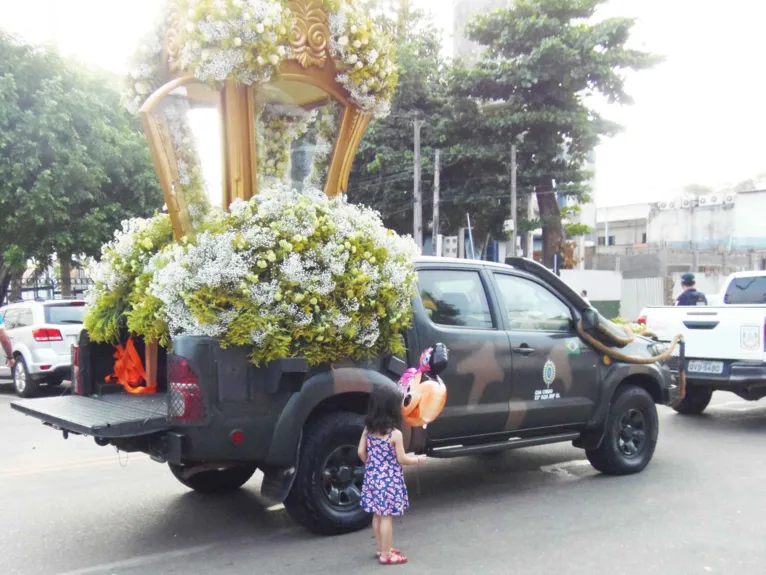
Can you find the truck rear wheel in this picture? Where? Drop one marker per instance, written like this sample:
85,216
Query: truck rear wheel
325,496
695,401
630,434
214,481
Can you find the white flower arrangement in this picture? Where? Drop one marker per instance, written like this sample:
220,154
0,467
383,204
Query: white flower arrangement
367,70
247,40
244,40
288,273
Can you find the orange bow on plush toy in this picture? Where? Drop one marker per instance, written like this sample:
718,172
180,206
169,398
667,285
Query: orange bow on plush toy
424,396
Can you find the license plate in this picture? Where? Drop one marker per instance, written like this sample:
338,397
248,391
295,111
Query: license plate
711,367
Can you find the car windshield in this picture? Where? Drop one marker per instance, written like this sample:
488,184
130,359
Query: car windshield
64,314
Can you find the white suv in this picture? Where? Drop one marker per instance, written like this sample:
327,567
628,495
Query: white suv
42,335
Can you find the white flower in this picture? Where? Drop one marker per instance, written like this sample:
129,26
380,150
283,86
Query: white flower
267,22
237,41
261,60
372,57
343,40
357,44
259,28
359,66
353,59
274,59
353,28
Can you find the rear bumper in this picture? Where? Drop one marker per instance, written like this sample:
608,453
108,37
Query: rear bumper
56,364
735,375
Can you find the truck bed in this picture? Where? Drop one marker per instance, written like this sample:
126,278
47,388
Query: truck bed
109,416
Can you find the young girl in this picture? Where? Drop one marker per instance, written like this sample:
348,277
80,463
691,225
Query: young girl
382,450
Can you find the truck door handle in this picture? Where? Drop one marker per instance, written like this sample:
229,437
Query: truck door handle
523,349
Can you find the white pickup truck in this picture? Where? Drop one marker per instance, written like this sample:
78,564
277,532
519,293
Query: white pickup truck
725,343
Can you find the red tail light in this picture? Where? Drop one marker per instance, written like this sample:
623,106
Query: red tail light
642,320
47,334
76,382
185,399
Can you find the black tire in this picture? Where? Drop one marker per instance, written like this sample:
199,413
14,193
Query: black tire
23,383
309,501
695,401
630,434
215,481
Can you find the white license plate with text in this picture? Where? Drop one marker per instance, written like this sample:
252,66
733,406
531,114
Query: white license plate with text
711,367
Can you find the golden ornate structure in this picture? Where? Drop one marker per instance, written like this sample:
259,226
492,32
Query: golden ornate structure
307,80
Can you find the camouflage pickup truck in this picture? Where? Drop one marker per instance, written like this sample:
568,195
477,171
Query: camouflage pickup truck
520,374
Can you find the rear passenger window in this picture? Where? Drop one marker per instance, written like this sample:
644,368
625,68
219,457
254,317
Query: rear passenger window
746,291
455,298
11,318
25,318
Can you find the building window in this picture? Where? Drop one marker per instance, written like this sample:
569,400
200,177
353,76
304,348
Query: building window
612,241
601,241
643,238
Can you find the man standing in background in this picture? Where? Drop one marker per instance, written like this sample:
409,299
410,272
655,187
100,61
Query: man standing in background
690,295
584,295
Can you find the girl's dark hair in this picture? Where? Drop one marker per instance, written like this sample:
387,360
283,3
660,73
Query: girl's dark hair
384,410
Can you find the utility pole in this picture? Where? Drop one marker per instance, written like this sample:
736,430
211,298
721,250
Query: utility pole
418,209
514,200
531,233
437,168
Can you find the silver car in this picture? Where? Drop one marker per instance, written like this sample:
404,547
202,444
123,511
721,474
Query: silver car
42,335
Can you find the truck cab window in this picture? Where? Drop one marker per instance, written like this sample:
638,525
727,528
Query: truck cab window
455,298
746,291
531,307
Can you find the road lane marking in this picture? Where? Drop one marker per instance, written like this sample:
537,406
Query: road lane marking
140,561
72,465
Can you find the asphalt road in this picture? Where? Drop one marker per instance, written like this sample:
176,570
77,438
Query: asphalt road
73,508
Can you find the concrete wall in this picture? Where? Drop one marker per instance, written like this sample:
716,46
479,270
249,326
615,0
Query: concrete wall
604,288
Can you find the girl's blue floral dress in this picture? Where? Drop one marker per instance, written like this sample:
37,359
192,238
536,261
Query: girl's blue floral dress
383,491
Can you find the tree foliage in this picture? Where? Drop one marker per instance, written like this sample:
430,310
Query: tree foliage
73,164
543,59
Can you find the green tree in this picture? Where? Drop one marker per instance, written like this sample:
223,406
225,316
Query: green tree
382,176
72,163
543,59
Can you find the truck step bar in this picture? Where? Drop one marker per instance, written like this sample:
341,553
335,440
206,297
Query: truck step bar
109,416
512,443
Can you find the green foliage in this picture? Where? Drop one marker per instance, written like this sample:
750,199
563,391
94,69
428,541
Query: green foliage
543,58
73,164
576,230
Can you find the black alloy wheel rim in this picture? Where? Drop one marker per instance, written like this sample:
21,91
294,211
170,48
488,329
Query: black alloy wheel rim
632,437
342,478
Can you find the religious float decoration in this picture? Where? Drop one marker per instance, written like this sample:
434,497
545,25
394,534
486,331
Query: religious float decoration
254,110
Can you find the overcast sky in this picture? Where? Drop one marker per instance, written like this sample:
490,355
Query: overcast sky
698,118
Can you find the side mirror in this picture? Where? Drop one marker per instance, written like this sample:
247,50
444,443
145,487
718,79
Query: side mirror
590,319
439,359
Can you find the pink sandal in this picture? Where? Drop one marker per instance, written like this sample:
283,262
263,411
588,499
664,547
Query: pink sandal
393,559
394,551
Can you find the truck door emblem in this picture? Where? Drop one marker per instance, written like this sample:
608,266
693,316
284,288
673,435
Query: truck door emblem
549,372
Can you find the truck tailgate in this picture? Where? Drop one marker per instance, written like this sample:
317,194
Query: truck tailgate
108,416
733,333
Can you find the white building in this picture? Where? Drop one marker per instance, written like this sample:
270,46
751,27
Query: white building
723,220
623,225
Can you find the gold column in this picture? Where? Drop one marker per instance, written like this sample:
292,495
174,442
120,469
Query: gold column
238,140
